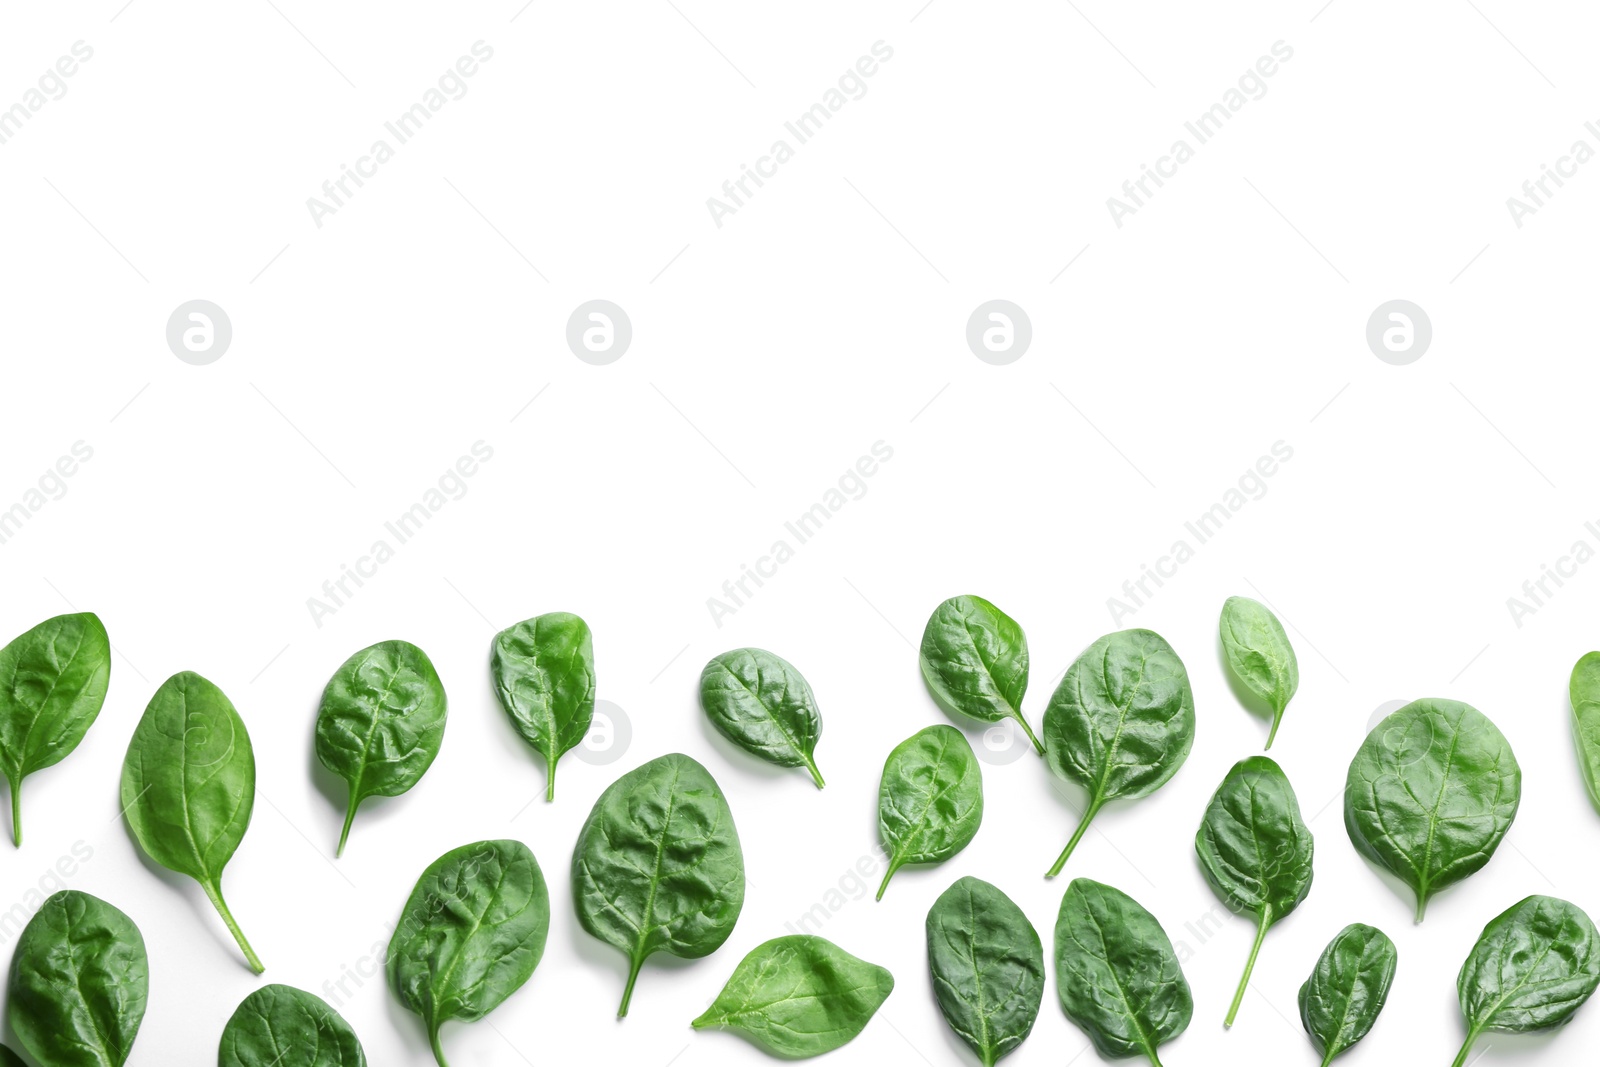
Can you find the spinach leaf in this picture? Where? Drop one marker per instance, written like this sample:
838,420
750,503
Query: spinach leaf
1347,988
381,723
1255,850
1431,793
975,660
52,684
79,980
1116,973
281,1026
544,675
1533,967
1121,722
188,785
1259,654
9,1058
471,934
762,704
1585,694
658,867
930,801
799,996
987,966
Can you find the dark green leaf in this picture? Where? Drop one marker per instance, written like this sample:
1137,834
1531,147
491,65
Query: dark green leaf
1260,655
544,675
1347,988
1430,794
9,1058
1121,722
1116,973
1585,693
987,966
799,996
762,704
281,1026
658,867
79,978
52,684
975,660
381,722
188,785
930,801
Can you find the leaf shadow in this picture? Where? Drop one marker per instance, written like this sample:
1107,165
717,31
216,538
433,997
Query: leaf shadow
1253,702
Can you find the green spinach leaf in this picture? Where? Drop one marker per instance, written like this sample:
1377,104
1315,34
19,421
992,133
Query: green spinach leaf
281,1026
762,704
799,996
975,660
658,867
52,684
987,966
1116,973
930,801
1121,722
1347,989
1255,850
1585,694
472,932
9,1058
381,723
1431,793
189,784
1259,654
79,979
1533,967
544,675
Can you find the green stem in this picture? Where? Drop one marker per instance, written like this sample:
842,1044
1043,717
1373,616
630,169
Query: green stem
1272,733
349,817
215,893
1249,965
550,781
1077,835
1422,905
894,865
1037,747
433,1042
1466,1047
816,775
16,809
627,991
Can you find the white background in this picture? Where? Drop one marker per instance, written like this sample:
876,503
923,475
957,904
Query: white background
827,314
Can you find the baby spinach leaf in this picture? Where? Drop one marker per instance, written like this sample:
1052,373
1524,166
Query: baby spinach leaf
930,801
1585,693
381,722
471,934
1116,973
544,675
658,867
188,786
762,704
1121,722
975,660
79,980
9,1058
799,996
987,966
281,1026
1533,967
1255,850
1259,654
52,684
1431,793
1347,988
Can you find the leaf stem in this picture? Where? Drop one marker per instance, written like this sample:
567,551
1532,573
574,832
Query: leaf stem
627,991
349,817
1422,904
433,1042
16,808
1466,1047
1277,718
1249,965
550,780
816,775
214,892
894,865
1037,747
1077,835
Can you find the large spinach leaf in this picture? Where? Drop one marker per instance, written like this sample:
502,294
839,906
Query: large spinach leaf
9,1058
544,675
658,867
79,979
1255,850
1431,793
1533,967
762,704
281,1026
975,660
987,966
930,801
471,934
1259,654
52,684
1585,693
1121,722
799,996
189,784
1347,989
381,722
1116,973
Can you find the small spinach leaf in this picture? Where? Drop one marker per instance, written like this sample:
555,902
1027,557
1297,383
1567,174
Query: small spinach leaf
544,675
52,684
1121,722
1533,967
975,660
281,1026
1255,850
987,966
799,996
1347,989
762,704
1431,793
1585,693
930,801
658,867
1259,654
79,980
